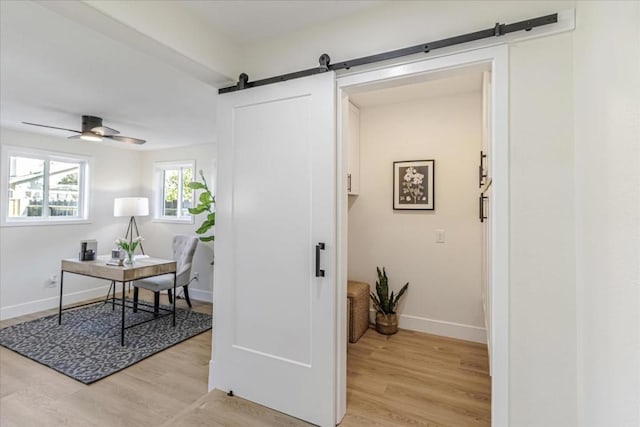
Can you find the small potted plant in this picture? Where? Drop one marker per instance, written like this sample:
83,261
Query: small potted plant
129,247
385,304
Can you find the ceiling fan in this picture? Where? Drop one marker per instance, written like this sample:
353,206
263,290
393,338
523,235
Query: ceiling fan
92,130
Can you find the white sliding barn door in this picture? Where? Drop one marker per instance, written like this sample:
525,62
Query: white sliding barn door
274,319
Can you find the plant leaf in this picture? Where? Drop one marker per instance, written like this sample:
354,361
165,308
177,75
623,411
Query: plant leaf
197,210
205,198
212,218
207,238
376,303
196,185
402,291
203,228
382,289
384,286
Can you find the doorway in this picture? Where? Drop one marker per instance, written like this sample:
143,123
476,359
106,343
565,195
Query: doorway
494,60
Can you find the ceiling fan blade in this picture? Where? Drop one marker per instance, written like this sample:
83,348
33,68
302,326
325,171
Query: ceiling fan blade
104,130
51,127
125,139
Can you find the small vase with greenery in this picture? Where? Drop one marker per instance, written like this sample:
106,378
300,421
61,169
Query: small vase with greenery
129,247
385,304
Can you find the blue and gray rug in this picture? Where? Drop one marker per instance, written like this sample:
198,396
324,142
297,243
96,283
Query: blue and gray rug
87,345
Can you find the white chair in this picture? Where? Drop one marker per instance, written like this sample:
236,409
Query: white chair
183,249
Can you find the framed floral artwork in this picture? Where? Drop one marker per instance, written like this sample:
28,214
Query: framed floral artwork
413,185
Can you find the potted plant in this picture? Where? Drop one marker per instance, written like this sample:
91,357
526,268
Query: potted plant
206,202
385,304
205,205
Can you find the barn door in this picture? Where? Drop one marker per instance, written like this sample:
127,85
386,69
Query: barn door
275,278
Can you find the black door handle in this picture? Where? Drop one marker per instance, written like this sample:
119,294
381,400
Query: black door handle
319,272
481,206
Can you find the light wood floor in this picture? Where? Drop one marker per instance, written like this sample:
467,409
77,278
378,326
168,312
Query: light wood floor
406,379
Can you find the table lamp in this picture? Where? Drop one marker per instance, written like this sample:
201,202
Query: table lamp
131,207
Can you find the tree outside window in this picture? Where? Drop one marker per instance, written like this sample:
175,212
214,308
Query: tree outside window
173,186
43,186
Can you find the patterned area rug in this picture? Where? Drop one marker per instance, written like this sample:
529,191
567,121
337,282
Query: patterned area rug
87,345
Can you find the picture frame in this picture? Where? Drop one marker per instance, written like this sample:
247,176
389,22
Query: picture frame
414,185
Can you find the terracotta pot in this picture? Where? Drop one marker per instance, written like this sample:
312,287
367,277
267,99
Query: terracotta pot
387,325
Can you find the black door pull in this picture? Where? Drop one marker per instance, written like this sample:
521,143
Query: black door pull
319,272
481,200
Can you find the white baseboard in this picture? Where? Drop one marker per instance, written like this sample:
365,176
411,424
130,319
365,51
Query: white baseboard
30,307
201,295
210,386
439,327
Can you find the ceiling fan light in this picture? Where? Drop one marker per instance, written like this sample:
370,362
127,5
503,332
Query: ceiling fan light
90,136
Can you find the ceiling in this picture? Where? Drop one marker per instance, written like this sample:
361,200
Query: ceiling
439,84
56,67
250,21
54,70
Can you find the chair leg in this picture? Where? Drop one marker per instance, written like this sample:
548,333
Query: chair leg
156,303
186,295
135,299
170,294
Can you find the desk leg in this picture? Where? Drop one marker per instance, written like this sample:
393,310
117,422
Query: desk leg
113,297
122,330
60,306
175,277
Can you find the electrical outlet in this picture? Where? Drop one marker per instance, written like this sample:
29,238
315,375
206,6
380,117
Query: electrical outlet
52,282
439,236
196,276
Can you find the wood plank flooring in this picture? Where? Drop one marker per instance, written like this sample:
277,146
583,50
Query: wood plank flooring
145,394
406,379
417,379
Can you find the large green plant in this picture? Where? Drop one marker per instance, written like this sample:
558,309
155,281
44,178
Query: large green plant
383,302
206,205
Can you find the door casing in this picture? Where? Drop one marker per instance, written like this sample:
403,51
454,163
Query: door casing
497,57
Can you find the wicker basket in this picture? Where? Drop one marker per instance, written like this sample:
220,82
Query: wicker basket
358,309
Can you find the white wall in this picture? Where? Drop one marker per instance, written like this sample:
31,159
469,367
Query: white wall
158,234
30,255
542,248
391,25
607,149
444,292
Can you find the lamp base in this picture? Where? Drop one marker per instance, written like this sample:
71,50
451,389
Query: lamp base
130,229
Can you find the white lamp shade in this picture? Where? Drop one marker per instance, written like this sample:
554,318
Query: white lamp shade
131,206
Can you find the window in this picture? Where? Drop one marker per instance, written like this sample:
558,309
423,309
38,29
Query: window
173,197
43,187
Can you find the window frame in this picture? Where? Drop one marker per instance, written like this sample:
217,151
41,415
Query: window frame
158,191
85,164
